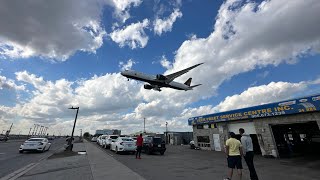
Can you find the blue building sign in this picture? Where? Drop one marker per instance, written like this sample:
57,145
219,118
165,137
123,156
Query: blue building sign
294,106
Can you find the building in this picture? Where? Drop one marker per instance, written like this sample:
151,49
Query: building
108,131
178,138
281,129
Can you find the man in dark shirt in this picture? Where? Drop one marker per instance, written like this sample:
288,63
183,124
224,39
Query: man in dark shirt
139,144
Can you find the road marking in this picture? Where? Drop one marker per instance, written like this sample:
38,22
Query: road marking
16,174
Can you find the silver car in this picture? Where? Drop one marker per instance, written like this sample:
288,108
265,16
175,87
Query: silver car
35,144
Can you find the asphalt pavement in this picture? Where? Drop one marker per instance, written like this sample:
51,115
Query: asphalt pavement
11,160
178,162
183,163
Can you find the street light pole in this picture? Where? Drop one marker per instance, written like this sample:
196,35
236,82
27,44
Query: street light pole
144,125
74,125
166,132
29,132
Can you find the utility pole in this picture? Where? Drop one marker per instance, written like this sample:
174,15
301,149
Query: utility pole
166,132
8,132
41,127
46,130
70,145
144,125
37,127
34,127
29,132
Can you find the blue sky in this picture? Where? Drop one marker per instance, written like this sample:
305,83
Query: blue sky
61,54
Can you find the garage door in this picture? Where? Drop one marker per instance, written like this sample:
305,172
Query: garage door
247,126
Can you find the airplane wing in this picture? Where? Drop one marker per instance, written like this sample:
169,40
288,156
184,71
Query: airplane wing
172,76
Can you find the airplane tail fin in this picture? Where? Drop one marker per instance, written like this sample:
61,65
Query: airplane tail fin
188,82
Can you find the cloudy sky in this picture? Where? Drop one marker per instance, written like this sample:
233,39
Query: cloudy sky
58,54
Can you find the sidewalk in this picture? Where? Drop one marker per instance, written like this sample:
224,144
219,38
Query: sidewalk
104,166
95,165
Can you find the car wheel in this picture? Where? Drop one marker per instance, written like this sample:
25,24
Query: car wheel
161,152
20,151
148,151
117,150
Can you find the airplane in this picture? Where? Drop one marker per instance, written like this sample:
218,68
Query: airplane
158,81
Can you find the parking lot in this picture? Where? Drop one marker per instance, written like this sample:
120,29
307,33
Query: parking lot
181,162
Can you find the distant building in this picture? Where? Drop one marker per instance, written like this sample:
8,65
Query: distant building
109,131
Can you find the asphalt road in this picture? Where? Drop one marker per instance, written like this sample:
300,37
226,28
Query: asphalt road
11,160
181,162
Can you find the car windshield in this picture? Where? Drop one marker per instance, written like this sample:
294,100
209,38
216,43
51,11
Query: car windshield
127,139
156,140
35,139
113,137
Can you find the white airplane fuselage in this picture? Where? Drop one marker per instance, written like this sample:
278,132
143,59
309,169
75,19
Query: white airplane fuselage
156,83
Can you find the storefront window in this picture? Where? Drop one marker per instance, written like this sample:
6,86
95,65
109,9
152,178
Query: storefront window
204,139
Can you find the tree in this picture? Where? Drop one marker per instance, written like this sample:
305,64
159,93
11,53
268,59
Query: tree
86,134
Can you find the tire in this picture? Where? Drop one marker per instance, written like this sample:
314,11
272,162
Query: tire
162,152
148,151
20,151
117,152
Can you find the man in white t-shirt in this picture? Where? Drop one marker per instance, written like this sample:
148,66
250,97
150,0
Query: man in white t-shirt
248,153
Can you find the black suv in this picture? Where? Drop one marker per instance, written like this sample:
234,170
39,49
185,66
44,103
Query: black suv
153,144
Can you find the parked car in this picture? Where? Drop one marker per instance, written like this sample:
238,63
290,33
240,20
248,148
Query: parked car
134,139
153,144
35,144
94,139
109,140
103,140
122,144
99,140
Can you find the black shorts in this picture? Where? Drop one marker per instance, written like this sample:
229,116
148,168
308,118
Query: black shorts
234,161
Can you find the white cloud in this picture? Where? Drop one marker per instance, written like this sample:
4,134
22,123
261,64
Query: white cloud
133,35
253,96
165,63
122,7
123,66
10,84
247,36
55,29
165,25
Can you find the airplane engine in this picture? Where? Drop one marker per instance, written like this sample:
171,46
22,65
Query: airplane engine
147,86
161,77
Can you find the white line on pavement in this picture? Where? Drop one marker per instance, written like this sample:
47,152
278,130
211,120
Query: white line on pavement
19,172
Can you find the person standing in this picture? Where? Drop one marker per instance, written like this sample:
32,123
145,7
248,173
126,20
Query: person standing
234,153
139,144
248,153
